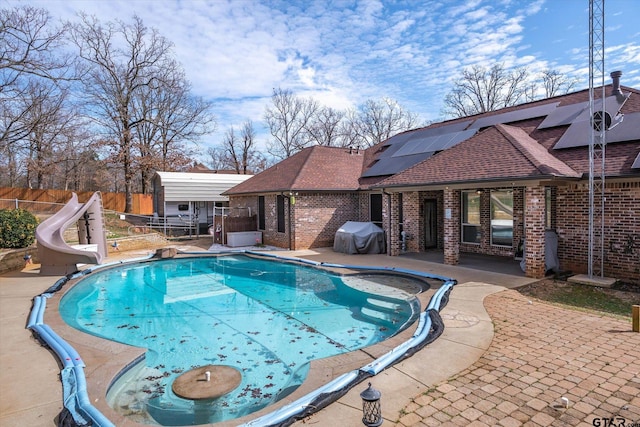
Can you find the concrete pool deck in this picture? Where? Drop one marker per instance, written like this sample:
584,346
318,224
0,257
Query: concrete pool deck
459,379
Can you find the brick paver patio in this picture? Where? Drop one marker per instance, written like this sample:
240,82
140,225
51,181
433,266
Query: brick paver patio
540,354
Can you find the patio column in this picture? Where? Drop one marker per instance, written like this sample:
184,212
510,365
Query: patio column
534,232
451,226
390,207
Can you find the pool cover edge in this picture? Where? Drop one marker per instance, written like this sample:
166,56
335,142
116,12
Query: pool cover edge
76,400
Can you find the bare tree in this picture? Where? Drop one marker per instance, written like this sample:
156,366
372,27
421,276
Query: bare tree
217,158
171,116
239,151
376,121
123,61
29,55
556,83
79,166
480,90
296,123
288,120
47,120
324,127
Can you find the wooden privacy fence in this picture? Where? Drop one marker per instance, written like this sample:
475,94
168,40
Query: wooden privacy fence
142,203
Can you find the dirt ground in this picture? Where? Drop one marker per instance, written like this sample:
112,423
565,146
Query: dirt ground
550,289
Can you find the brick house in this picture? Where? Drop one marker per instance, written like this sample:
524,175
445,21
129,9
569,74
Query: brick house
479,184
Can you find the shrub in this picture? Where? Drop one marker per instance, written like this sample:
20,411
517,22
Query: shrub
17,228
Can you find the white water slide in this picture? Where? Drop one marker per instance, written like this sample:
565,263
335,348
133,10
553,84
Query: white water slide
57,258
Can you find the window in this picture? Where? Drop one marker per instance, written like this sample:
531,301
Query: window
280,207
182,207
470,217
547,208
261,213
375,209
502,218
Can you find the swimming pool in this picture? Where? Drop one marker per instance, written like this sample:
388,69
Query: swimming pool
265,318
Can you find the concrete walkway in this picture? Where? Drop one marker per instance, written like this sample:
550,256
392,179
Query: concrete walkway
539,354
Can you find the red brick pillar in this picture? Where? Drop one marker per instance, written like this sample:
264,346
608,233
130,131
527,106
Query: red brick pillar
451,226
534,232
390,209
411,210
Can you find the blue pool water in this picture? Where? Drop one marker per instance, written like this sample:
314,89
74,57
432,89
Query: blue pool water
267,319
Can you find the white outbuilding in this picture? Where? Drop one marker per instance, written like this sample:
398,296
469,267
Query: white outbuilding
191,199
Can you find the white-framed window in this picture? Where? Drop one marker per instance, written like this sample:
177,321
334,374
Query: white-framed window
470,217
502,218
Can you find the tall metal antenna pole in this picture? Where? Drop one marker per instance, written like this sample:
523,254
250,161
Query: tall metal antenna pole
597,143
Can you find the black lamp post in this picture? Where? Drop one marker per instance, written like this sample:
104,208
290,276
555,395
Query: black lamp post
371,413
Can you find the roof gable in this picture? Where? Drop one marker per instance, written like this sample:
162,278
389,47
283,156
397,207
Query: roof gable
499,152
564,113
317,168
539,157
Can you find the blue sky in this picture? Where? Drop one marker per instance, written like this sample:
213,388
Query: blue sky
344,52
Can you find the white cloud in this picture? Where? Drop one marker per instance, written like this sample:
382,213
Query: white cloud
236,51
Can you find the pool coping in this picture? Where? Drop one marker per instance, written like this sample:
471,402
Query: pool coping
105,360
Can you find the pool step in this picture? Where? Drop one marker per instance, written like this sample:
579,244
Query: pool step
377,310
383,305
190,288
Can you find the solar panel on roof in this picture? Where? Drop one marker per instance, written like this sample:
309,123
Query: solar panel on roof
612,105
567,114
579,133
627,130
433,143
514,116
390,166
450,128
458,138
415,146
563,115
397,139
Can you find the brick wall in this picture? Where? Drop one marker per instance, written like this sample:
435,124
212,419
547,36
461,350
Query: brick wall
315,217
451,202
534,232
412,223
318,216
363,207
392,236
622,229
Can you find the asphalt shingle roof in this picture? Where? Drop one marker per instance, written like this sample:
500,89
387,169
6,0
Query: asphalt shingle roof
499,152
517,151
317,168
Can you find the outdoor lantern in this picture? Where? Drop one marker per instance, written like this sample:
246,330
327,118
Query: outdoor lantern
371,413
